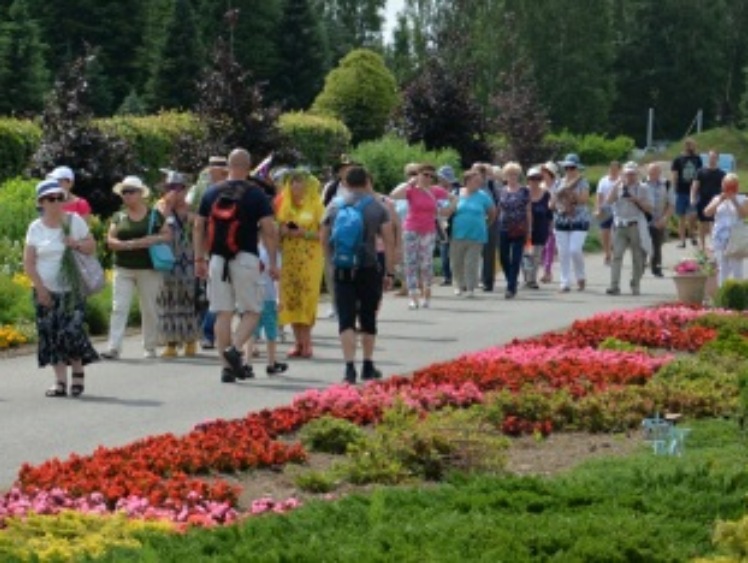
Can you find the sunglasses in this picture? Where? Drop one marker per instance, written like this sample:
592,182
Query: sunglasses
130,191
175,188
570,167
54,198
412,174
535,178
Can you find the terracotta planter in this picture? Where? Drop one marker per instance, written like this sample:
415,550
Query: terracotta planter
691,288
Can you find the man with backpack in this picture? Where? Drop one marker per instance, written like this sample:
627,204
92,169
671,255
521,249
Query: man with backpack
233,214
349,232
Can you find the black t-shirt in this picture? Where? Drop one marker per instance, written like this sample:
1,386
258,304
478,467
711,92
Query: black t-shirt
710,184
254,206
686,165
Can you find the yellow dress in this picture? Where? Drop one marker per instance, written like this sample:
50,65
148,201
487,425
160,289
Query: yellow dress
302,264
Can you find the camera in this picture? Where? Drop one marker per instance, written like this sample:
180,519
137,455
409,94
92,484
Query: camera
626,192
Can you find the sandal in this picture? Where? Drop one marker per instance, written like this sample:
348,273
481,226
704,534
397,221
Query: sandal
77,388
294,352
59,390
276,368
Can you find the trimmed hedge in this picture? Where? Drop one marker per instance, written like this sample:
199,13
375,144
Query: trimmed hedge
592,148
385,158
19,139
321,139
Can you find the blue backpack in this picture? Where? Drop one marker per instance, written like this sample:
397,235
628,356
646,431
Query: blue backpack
347,236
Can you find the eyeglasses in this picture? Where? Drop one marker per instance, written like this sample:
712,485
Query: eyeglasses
54,198
534,178
174,188
570,167
412,174
130,191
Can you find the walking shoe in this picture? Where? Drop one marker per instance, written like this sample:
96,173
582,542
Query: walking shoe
458,291
564,289
694,242
613,291
369,374
227,375
509,294
169,352
533,285
276,368
425,304
470,294
190,349
207,345
682,244
656,272
234,359
246,372
635,291
413,305
582,284
350,376
110,354
149,354
331,314
446,283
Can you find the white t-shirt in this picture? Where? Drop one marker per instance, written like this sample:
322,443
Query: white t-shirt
604,186
49,244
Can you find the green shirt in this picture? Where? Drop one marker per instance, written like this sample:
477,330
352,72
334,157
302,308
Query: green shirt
127,229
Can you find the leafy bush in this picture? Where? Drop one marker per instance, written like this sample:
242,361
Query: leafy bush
99,309
321,139
361,92
330,435
722,322
733,295
612,343
315,481
727,343
11,256
19,139
592,148
17,208
15,302
385,158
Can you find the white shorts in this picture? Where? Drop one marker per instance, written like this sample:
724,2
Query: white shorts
242,291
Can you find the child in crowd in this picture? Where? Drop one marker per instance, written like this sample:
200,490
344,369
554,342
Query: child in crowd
268,319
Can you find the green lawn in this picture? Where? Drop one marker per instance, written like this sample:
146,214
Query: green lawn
641,508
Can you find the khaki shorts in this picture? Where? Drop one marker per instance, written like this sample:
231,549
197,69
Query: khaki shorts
242,292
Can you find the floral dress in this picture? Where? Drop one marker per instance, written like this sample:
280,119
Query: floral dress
303,261
177,307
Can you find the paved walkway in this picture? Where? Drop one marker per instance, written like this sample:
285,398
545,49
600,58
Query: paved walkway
133,398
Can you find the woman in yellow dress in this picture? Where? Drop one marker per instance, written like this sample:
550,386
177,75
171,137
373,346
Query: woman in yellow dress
299,214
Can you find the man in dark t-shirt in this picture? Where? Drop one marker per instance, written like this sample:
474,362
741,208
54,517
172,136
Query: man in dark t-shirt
235,281
706,186
684,171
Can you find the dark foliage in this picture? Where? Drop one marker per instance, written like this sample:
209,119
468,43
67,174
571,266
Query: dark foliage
69,137
232,108
439,109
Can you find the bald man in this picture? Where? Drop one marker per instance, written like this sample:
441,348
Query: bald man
237,210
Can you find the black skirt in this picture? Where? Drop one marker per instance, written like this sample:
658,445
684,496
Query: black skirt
61,332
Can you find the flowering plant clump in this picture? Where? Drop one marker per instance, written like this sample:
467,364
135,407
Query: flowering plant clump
701,263
11,337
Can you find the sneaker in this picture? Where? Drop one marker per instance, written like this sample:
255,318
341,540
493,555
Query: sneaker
413,304
446,283
533,285
350,376
458,291
227,375
246,372
509,294
207,345
613,291
149,354
276,368
564,289
331,314
110,354
234,359
425,304
373,373
581,285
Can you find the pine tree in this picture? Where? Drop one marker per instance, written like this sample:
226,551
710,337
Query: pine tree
24,79
173,81
303,60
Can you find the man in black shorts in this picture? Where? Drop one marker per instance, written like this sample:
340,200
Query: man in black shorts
706,186
359,290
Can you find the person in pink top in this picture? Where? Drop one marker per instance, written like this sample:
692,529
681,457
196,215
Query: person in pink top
73,204
419,231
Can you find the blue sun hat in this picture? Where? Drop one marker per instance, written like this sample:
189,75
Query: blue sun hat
47,187
572,160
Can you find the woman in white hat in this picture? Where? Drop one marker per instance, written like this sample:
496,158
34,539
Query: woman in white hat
62,339
73,204
131,233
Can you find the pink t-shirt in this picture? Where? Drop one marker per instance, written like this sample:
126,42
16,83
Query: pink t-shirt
79,206
422,209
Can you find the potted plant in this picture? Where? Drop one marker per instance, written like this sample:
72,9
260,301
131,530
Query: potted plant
691,276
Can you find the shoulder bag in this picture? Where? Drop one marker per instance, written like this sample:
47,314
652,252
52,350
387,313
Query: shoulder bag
90,272
161,253
737,244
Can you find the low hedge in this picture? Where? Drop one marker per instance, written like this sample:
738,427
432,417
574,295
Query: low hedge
321,139
19,139
592,148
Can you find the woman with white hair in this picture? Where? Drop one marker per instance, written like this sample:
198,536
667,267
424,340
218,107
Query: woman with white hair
728,209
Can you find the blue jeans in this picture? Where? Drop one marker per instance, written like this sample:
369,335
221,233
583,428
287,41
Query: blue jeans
510,256
208,324
446,265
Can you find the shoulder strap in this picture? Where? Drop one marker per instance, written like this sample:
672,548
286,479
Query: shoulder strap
151,221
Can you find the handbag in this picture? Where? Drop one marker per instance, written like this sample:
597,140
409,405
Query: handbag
90,273
162,256
737,244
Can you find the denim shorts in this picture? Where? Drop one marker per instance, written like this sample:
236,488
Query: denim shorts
683,205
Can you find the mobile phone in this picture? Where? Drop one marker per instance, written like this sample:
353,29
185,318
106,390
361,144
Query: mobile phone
291,225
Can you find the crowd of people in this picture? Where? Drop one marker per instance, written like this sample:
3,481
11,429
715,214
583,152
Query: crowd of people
258,247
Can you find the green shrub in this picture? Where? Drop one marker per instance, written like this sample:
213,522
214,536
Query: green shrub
15,302
615,344
727,343
362,92
321,139
722,322
17,208
592,148
19,139
11,256
733,295
330,435
315,481
99,310
386,157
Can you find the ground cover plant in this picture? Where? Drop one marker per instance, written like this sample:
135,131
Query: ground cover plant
604,374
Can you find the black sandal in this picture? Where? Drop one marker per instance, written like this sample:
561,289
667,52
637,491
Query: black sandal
76,389
276,368
59,390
